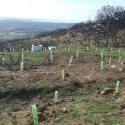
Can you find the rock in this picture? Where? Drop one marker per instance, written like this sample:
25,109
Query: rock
109,113
122,106
120,69
123,111
106,91
87,77
64,110
42,109
41,117
76,83
122,63
118,100
58,119
52,113
113,66
67,74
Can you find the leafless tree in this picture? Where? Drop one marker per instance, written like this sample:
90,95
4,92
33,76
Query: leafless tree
112,19
107,12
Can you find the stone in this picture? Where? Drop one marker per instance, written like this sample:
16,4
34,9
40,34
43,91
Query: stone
120,69
122,63
64,110
106,91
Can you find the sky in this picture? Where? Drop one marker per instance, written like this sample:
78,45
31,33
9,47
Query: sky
72,11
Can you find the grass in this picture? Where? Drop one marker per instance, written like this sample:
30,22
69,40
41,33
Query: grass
88,107
39,56
102,111
12,35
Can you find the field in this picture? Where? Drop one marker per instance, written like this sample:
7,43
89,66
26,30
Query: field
6,35
86,96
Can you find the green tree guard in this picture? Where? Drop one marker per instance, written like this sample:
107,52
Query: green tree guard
63,76
117,86
56,96
34,113
102,65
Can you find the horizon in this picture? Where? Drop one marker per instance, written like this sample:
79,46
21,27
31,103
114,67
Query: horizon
33,19
64,11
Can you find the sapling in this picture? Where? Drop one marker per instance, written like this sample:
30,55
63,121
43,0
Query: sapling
110,59
65,48
69,62
71,59
34,113
77,55
101,54
27,50
120,59
117,86
21,66
111,49
22,50
87,48
6,52
108,45
93,47
31,49
51,52
96,50
10,49
77,51
77,48
68,50
63,75
51,58
22,57
119,51
102,65
3,60
56,96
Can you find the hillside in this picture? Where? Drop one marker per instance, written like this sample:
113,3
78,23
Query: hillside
109,32
81,82
17,24
11,29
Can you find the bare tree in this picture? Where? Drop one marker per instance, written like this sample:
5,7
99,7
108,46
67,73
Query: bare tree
107,12
112,18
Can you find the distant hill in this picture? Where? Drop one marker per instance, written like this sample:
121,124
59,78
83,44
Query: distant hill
26,24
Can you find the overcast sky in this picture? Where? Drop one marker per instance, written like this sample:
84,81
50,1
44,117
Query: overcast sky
63,10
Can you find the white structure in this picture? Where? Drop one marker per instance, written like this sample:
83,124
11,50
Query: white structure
36,48
51,47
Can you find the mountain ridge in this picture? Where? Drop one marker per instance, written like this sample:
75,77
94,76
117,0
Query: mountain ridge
11,23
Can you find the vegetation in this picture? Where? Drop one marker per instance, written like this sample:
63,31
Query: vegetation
87,94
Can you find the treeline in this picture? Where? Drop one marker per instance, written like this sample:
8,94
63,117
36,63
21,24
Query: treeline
108,26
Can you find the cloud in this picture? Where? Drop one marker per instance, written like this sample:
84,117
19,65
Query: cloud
117,3
65,10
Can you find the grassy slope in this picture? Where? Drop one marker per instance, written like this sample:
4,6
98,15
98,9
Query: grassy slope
89,107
